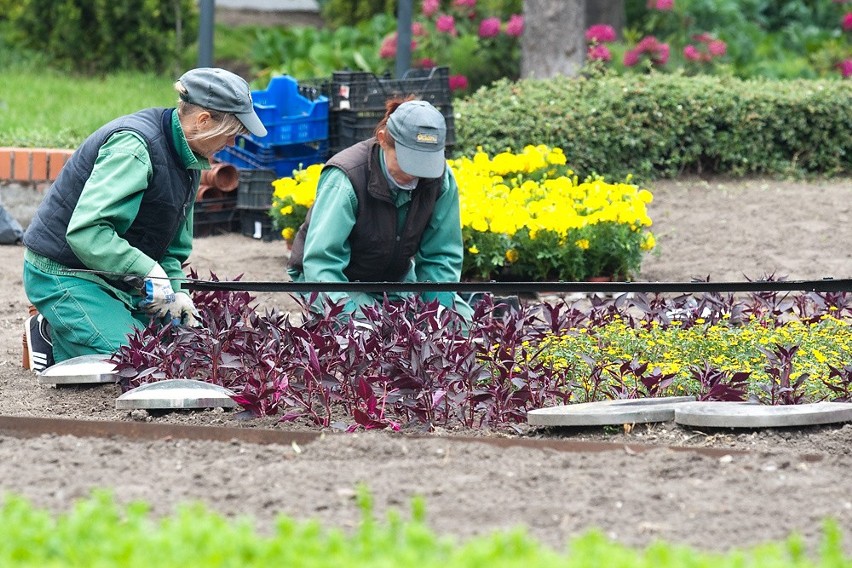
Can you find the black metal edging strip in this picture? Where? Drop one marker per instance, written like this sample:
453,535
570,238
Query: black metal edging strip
823,285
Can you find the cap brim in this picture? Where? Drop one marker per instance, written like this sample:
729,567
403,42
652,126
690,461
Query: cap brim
420,164
252,124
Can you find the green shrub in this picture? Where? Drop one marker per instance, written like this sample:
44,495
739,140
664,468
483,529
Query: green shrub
97,36
664,125
337,13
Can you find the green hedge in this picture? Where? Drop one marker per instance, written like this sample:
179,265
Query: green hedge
102,36
665,125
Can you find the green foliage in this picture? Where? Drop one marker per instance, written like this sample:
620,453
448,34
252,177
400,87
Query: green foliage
779,39
663,125
97,36
97,532
340,13
307,52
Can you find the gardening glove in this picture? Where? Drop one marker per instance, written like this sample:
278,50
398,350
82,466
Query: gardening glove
159,297
184,311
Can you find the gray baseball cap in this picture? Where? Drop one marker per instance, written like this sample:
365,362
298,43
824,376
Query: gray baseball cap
420,133
221,90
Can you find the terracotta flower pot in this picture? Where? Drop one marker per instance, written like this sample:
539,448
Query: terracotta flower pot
224,177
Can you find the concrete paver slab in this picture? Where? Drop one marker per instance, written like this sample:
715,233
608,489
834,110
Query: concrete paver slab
752,415
176,394
79,370
608,412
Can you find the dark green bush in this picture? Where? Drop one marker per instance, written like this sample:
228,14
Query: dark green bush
664,125
96,36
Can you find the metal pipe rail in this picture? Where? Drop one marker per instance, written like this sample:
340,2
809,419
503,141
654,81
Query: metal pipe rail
822,285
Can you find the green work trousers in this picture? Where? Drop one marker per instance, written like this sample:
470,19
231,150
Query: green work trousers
86,317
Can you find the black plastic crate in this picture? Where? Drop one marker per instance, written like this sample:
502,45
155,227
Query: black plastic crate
255,189
258,225
214,217
349,127
358,90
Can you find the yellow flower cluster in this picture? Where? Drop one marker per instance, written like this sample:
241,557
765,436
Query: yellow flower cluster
527,213
529,190
291,199
725,347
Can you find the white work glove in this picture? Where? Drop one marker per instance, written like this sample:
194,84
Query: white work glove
184,311
159,297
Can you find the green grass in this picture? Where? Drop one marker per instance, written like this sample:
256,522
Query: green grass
48,109
97,532
40,107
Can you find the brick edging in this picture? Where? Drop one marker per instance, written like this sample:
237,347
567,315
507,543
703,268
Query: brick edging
31,165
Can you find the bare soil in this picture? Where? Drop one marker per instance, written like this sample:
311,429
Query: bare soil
772,483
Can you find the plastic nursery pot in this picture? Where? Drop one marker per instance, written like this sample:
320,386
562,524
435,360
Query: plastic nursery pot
210,196
224,177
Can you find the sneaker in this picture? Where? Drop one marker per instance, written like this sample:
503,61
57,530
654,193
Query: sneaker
39,347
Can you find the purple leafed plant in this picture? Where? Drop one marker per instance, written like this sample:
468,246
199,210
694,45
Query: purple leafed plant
715,384
413,362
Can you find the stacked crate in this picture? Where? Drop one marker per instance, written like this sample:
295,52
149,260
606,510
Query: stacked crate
296,121
254,198
357,101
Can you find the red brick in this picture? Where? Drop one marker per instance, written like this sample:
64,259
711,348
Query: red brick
21,170
5,163
39,165
57,159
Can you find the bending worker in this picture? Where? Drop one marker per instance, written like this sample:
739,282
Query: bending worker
386,210
122,207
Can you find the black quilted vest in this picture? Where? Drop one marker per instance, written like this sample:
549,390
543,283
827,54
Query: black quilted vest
165,202
381,251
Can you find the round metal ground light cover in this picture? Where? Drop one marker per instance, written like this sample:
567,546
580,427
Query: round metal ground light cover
752,415
609,412
174,394
79,370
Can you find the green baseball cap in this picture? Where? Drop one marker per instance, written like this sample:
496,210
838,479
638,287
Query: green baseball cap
221,90
420,133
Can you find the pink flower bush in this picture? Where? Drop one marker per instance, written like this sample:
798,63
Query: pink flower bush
847,22
485,53
845,67
489,27
458,82
388,48
599,53
515,25
600,33
662,5
707,49
658,52
429,7
691,53
446,24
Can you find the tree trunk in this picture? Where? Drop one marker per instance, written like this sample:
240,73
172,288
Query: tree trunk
553,42
609,12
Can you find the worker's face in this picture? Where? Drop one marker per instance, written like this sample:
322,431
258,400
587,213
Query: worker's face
202,138
390,160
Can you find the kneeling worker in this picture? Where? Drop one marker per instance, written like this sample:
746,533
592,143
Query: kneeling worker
386,210
120,216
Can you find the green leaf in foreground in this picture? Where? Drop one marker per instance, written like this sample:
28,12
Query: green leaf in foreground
97,532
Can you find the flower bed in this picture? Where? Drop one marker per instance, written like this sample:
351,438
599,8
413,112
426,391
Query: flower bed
525,216
410,362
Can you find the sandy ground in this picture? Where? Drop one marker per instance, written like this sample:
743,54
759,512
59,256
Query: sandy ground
724,230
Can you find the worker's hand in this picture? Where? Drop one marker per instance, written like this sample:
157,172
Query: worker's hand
159,297
185,311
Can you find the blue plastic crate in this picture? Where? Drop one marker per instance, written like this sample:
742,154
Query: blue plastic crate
281,159
288,115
